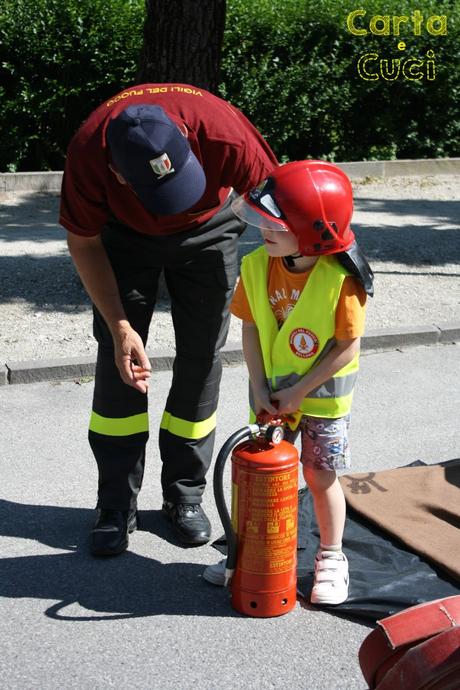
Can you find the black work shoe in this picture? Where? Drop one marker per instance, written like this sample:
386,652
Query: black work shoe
189,521
109,535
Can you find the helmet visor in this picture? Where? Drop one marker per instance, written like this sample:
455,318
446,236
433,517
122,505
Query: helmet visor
255,216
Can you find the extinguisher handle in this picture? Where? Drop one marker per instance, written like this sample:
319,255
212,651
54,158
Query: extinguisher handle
265,417
291,420
232,545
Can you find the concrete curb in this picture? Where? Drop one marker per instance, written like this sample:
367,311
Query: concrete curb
51,181
401,168
31,181
82,367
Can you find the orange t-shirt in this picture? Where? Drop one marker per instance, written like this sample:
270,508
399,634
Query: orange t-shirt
285,288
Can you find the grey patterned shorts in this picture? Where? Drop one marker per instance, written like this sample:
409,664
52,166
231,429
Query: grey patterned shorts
324,442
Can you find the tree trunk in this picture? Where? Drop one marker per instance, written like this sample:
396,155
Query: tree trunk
182,42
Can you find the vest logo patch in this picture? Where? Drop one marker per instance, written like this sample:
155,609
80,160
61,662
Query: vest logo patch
303,343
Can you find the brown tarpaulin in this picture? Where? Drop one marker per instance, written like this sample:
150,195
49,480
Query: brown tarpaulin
418,505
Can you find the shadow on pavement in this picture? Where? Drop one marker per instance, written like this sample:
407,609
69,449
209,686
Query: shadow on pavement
128,586
33,218
49,281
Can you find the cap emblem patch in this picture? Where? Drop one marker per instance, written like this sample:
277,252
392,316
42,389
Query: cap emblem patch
161,166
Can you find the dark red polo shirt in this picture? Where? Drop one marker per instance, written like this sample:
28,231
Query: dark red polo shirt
230,149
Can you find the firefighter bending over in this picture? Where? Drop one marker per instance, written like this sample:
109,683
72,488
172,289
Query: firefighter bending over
147,187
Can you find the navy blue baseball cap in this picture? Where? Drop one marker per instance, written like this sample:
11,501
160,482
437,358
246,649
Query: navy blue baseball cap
155,159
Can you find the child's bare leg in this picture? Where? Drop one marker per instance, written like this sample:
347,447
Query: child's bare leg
329,503
330,584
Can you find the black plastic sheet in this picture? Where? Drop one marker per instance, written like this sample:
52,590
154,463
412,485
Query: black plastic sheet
385,577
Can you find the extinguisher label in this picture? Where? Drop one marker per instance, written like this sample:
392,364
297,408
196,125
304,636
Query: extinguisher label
265,516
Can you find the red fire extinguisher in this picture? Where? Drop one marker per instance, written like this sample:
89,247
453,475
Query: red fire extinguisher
262,532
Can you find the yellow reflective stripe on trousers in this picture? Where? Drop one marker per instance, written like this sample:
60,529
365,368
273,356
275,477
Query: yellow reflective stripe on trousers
119,426
186,429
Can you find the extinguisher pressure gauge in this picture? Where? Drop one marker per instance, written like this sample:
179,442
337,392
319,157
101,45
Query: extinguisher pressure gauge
275,434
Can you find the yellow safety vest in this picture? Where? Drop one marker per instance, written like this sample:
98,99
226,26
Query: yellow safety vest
305,337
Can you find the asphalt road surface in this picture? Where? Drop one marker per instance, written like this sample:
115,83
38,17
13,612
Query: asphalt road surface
147,619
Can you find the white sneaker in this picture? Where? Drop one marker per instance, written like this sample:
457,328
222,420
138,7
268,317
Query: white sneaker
330,585
216,573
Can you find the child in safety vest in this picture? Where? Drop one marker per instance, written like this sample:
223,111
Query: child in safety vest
302,303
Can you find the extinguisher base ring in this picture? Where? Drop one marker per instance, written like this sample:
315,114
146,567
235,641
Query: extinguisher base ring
264,604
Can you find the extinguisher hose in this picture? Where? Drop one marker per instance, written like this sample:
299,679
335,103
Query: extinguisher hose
232,544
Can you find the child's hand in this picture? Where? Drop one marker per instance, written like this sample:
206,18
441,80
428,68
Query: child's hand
262,402
289,400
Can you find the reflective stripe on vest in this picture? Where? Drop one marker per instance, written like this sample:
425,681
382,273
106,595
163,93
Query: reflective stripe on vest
313,313
187,429
336,387
119,426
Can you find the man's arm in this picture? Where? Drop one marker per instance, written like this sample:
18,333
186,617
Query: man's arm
341,354
96,273
254,362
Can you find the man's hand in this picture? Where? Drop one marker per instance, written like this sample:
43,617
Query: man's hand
131,359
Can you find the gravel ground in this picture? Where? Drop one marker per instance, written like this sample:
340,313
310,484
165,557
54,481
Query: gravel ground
408,227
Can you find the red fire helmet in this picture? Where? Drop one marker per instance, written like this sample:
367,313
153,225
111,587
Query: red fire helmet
313,199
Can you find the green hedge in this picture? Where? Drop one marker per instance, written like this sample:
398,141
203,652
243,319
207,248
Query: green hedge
290,65
59,59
